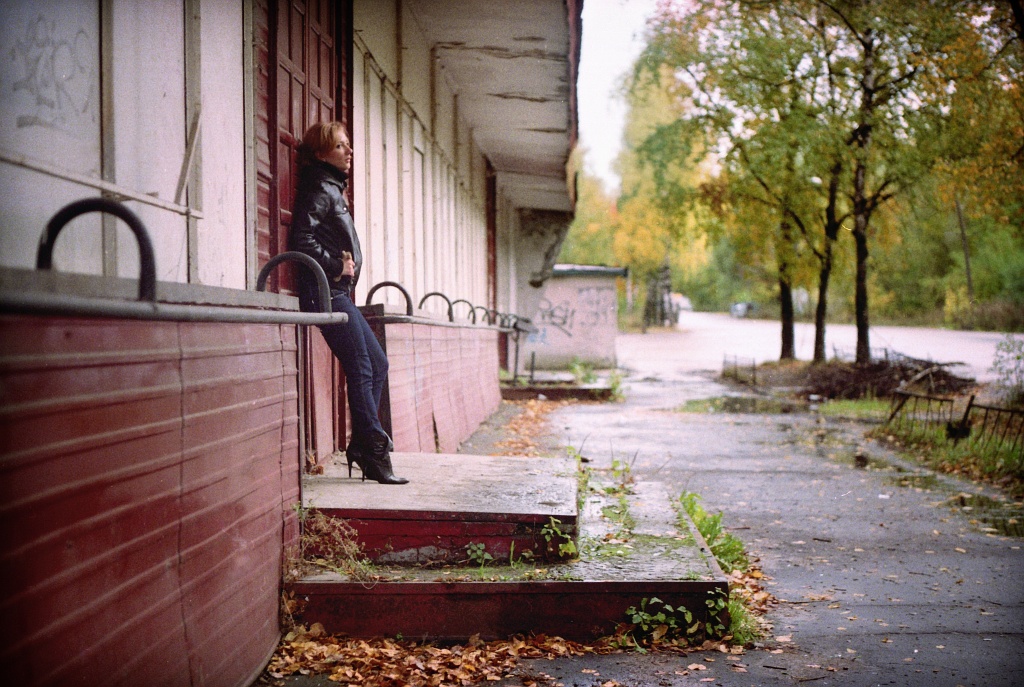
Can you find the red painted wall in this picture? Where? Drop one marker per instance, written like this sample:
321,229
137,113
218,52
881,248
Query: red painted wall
442,382
147,472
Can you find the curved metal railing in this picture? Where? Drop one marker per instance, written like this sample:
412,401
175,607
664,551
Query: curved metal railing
323,288
147,261
33,301
408,299
451,313
472,309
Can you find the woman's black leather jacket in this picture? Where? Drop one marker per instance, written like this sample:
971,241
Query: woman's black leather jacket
322,228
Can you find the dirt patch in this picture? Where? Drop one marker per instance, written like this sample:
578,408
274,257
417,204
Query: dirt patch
517,428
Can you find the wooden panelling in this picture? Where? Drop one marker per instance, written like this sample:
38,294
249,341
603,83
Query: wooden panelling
423,374
446,425
147,474
442,382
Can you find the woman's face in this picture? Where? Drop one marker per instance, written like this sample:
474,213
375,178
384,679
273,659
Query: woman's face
341,154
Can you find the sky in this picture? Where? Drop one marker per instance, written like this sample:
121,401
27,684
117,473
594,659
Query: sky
612,39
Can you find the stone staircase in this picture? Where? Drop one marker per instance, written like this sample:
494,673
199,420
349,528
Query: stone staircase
430,577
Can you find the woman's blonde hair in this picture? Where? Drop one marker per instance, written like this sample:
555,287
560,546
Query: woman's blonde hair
318,140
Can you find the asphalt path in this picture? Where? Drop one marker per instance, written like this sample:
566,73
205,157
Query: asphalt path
881,578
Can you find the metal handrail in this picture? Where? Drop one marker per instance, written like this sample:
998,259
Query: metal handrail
472,309
147,307
451,313
79,306
147,261
295,256
380,285
488,313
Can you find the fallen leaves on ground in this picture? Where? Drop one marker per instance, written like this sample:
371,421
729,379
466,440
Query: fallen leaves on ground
748,585
390,663
385,662
526,427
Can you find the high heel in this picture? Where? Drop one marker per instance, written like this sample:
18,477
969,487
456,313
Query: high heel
378,462
354,454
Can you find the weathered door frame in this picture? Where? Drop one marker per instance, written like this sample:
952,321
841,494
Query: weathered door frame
289,83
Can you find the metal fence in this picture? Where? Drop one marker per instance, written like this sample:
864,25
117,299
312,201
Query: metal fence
743,370
980,424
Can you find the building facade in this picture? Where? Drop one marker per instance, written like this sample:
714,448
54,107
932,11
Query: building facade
151,451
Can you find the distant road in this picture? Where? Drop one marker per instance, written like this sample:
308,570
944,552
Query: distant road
702,339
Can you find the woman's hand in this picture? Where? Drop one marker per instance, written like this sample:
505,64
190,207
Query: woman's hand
349,266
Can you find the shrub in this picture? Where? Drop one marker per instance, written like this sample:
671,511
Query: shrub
1008,364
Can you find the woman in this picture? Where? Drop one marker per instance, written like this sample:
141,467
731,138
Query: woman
322,228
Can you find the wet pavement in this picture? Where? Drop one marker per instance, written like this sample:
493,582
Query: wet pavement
882,575
886,573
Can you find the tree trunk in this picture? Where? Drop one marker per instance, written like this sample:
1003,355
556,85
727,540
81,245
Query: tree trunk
788,336
860,301
832,226
821,311
861,206
786,294
967,250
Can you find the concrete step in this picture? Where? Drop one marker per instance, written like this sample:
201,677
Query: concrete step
622,561
451,501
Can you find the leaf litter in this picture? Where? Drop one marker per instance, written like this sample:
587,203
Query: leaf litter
527,427
386,662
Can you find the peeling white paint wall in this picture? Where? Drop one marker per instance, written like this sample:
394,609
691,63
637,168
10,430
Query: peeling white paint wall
56,138
418,175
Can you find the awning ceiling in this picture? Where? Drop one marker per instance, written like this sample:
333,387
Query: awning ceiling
513,64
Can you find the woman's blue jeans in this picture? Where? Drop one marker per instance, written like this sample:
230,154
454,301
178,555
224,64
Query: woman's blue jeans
364,362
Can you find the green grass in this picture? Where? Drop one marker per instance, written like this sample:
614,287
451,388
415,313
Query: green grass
993,462
743,626
859,409
725,546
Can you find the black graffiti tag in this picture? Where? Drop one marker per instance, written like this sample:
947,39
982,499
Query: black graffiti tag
559,316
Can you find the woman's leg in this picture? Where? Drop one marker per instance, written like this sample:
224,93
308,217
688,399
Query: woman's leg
364,363
366,369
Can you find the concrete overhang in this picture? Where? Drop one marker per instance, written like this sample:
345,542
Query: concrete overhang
513,64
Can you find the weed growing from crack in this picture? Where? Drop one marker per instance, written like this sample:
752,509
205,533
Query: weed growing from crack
725,547
582,371
656,622
558,540
477,554
615,383
743,625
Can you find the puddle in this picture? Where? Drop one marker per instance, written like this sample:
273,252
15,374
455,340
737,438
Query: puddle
986,514
990,515
826,444
742,404
924,481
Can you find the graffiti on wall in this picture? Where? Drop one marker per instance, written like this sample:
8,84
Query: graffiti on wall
594,307
55,67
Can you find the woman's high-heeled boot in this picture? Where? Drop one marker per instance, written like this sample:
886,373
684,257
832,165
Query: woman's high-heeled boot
378,462
356,453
